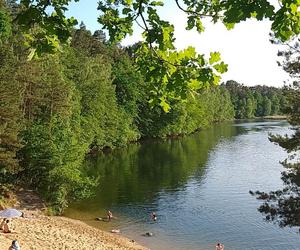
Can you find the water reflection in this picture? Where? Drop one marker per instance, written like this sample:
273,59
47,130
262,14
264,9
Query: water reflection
198,185
137,173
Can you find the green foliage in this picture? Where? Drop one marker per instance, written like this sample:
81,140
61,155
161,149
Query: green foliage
55,109
167,76
250,102
45,27
10,115
129,83
267,106
110,124
173,74
5,23
53,146
198,112
283,206
53,27
107,120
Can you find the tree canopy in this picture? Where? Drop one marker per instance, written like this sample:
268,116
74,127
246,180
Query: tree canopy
171,74
88,97
92,94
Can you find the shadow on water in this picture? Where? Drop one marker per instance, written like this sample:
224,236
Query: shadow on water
139,172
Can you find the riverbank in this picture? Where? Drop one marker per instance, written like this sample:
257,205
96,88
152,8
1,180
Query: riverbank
38,231
274,117
263,118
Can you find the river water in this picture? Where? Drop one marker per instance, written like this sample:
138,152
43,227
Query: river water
199,187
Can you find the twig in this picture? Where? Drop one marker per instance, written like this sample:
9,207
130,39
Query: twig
195,13
150,43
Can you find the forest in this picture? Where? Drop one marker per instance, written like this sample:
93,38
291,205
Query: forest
256,101
57,108
90,95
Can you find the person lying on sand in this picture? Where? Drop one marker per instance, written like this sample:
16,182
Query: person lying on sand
2,223
14,245
6,227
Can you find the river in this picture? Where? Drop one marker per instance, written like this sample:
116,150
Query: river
199,187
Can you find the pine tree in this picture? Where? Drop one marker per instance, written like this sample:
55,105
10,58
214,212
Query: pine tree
283,206
10,115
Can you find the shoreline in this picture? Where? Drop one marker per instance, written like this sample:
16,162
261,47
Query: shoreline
270,117
38,231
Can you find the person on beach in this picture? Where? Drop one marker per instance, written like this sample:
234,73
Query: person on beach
14,245
109,215
153,216
6,227
219,246
2,223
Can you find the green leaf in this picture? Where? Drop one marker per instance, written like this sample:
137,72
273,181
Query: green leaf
128,2
165,106
214,57
221,67
229,26
217,79
157,3
190,23
199,25
294,8
194,84
125,11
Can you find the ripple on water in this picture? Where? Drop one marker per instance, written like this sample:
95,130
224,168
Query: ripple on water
199,187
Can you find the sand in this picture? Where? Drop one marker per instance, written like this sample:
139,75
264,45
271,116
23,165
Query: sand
52,232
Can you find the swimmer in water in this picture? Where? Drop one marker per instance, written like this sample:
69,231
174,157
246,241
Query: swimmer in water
153,216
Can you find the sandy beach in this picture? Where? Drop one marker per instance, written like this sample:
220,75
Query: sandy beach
43,232
40,232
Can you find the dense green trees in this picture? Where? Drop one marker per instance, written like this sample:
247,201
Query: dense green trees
199,111
89,95
10,114
170,74
57,108
257,101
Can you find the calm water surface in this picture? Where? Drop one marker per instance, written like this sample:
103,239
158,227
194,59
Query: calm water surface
198,185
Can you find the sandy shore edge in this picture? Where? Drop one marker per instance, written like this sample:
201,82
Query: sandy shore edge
54,232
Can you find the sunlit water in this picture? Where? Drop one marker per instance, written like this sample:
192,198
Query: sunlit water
198,186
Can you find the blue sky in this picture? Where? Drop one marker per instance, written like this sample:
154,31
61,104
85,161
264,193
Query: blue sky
246,49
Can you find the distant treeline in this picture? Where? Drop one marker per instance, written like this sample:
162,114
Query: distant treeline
257,101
